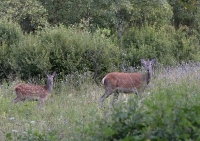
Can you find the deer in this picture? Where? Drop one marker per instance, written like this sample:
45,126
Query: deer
116,82
34,92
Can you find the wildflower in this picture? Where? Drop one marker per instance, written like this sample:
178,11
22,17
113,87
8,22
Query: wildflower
4,114
14,131
64,122
107,114
125,101
12,118
25,104
32,122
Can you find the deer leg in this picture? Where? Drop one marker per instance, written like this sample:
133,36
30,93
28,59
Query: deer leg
116,95
135,90
102,99
16,99
106,95
19,97
42,103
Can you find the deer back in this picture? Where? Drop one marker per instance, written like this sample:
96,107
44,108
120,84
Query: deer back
123,80
30,90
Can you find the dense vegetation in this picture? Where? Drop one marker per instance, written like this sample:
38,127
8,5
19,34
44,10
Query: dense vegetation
83,40
167,110
69,37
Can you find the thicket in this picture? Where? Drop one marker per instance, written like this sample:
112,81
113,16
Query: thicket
76,50
60,49
98,36
158,123
10,37
29,14
168,110
168,45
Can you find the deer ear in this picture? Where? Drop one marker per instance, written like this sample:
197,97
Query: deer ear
54,73
153,60
142,61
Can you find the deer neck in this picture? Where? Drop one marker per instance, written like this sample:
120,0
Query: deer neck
49,86
147,77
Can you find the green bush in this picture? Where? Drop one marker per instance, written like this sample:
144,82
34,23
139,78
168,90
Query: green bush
30,14
66,51
132,124
187,45
30,58
168,110
147,42
166,44
10,33
10,37
74,50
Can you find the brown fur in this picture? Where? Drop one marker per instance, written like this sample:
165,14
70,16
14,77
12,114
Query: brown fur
31,92
116,82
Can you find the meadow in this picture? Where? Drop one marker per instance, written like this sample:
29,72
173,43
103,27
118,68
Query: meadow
169,109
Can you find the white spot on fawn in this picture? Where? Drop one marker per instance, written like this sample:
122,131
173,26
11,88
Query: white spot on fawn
31,92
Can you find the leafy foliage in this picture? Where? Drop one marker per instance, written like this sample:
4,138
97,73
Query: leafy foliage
150,13
88,39
166,44
184,12
73,50
10,37
65,51
168,111
10,33
29,14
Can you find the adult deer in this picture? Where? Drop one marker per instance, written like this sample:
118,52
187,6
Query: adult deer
31,92
116,82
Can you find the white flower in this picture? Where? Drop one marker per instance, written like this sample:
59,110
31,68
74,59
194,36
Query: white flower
12,118
14,131
32,122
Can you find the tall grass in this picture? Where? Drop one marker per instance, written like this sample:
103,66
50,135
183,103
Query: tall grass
72,109
168,110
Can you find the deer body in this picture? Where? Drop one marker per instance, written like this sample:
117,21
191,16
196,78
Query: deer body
116,82
30,92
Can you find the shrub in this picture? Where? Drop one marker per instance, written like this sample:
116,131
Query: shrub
30,14
168,111
147,42
10,37
30,59
74,50
10,33
166,44
66,51
187,46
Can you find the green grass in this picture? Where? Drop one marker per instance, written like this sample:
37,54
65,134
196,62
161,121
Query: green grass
66,113
74,114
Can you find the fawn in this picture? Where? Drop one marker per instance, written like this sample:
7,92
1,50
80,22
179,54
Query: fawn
31,92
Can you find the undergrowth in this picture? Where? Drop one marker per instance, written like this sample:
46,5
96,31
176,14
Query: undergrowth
168,110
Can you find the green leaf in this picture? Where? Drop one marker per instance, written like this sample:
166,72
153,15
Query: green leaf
8,136
108,132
